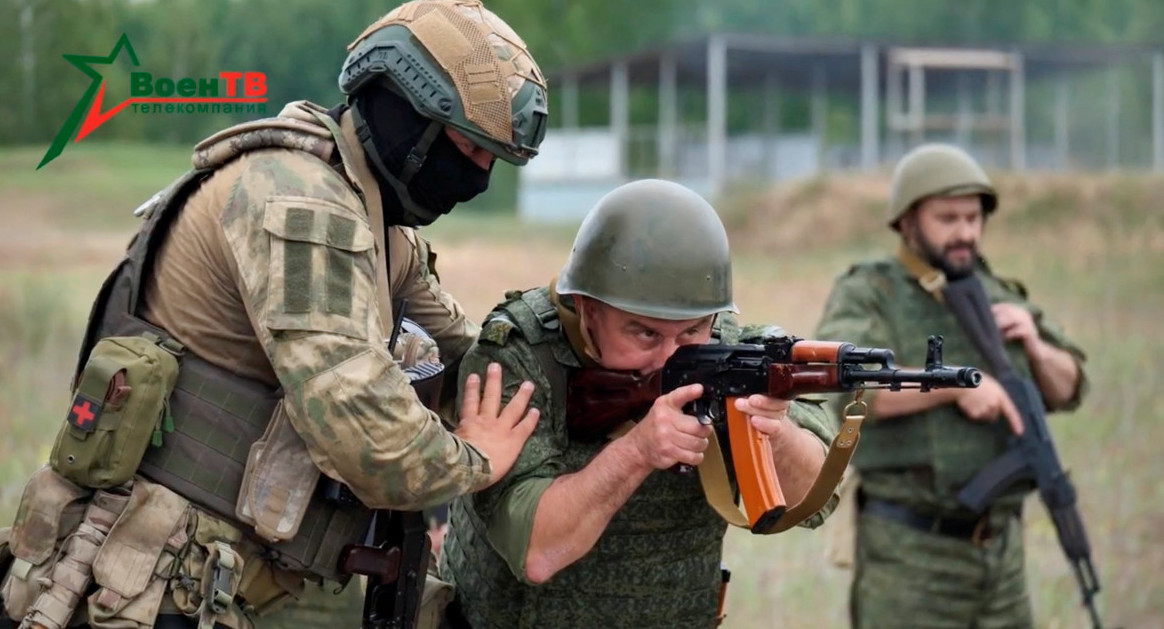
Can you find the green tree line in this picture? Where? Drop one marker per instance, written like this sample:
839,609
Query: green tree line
300,44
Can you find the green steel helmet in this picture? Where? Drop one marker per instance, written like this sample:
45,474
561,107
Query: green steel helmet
652,248
937,170
460,65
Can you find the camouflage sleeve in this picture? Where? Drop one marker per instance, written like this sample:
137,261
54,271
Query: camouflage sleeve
508,507
1052,333
853,313
429,305
758,333
306,265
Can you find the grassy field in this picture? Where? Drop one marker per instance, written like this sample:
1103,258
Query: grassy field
1090,249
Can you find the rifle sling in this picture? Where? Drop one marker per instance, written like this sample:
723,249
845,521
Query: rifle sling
931,280
713,477
358,172
969,304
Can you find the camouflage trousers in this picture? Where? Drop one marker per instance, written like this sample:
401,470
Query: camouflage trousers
907,578
320,608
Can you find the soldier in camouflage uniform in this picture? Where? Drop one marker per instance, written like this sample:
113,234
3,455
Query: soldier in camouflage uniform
272,270
597,532
922,559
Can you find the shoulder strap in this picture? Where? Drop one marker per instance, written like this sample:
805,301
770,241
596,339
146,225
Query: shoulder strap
544,312
356,168
536,318
971,307
967,300
930,279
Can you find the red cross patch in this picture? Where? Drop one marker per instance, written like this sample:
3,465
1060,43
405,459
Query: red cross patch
84,413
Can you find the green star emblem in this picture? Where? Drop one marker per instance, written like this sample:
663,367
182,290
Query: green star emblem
84,63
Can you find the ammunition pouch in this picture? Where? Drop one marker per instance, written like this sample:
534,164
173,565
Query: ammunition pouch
266,589
434,600
136,560
278,481
51,508
207,577
117,552
73,570
220,579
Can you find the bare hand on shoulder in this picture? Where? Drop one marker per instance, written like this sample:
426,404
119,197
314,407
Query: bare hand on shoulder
1015,323
499,433
667,435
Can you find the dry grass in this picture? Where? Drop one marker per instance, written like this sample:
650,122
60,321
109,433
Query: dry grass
1090,248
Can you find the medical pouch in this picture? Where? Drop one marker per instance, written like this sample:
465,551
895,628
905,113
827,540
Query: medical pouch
119,408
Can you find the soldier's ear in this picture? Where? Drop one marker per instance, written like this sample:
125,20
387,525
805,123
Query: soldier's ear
908,225
584,306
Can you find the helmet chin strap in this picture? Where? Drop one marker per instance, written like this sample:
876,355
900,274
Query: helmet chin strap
412,164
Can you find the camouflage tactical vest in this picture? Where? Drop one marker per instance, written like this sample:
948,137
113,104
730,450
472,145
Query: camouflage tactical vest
656,565
217,415
939,439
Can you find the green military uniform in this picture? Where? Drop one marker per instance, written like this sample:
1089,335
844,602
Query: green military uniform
921,461
657,564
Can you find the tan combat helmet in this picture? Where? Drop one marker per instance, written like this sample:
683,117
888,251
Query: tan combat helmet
652,248
460,65
933,170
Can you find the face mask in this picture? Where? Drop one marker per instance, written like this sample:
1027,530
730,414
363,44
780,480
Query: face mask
447,178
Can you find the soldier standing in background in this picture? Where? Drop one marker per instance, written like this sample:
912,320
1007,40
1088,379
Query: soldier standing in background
923,559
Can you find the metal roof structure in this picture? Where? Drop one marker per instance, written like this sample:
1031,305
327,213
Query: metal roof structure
903,92
752,58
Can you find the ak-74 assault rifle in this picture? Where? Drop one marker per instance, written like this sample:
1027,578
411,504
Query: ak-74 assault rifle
783,367
1032,455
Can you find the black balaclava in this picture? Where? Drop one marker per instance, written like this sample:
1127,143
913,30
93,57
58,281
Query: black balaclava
445,177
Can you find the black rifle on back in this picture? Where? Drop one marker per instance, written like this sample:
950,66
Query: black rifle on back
1032,455
396,559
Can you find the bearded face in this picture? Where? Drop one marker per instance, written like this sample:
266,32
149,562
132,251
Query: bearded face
946,232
